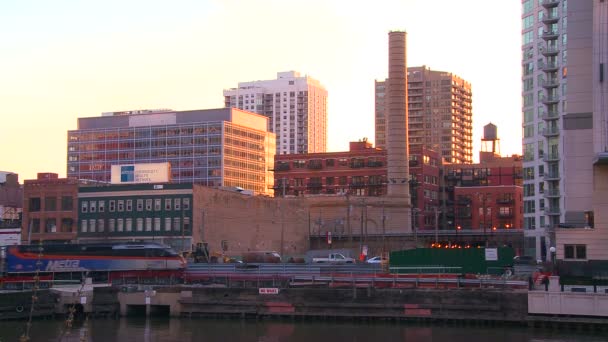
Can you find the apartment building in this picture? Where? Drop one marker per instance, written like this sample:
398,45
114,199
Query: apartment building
440,113
296,107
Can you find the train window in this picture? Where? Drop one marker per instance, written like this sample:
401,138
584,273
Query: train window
102,206
178,204
112,206
186,203
140,205
121,205
157,204
129,205
167,204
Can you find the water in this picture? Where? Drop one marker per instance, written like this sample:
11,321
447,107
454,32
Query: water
225,330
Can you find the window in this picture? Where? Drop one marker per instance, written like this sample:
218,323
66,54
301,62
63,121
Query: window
575,252
149,205
129,205
186,204
140,205
176,224
129,224
83,226
50,225
66,225
140,224
167,204
157,203
92,225
157,224
67,203
102,206
100,225
50,204
177,204
111,223
35,204
167,223
121,205
84,206
93,206
112,206
119,225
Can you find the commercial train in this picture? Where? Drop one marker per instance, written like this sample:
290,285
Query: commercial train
111,260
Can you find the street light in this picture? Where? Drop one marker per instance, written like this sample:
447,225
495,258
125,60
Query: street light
552,250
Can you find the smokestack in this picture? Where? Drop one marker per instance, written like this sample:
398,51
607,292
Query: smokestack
397,118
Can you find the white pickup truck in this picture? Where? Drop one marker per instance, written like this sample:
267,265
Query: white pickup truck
334,258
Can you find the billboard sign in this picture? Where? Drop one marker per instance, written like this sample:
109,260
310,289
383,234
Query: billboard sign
141,173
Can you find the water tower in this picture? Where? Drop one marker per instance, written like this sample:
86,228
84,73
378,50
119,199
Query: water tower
490,143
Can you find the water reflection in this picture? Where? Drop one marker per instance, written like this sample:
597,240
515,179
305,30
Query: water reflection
184,330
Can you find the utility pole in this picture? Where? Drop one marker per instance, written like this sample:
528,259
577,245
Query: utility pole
283,185
282,219
436,224
383,230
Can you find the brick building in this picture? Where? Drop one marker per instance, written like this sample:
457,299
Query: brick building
49,209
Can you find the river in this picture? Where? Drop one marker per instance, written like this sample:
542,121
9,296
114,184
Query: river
227,330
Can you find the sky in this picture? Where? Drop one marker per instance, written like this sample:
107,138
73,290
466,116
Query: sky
65,59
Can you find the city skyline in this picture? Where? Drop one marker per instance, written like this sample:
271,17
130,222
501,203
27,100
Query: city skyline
65,61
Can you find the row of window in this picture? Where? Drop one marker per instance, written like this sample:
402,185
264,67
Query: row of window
50,204
148,224
127,205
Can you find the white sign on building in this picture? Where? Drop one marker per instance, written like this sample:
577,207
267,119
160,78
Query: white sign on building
141,173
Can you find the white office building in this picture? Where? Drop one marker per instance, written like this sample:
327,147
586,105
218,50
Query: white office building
295,105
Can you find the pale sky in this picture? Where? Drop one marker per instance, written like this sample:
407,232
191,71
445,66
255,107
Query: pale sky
60,60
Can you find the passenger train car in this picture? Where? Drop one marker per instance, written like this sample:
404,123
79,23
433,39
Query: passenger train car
91,257
118,263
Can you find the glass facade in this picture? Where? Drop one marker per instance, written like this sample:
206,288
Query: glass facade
214,153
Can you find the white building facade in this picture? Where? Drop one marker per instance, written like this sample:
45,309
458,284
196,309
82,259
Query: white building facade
296,107
558,38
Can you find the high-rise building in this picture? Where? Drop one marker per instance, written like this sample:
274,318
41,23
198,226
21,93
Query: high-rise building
559,91
296,107
439,110
213,147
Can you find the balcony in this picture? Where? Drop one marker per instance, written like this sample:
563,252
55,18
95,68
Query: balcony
552,176
551,157
550,35
550,83
549,3
551,115
551,193
550,51
552,211
550,19
550,131
505,215
549,100
549,66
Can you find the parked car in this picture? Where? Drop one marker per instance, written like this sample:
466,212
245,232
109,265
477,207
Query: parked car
376,260
524,260
334,258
